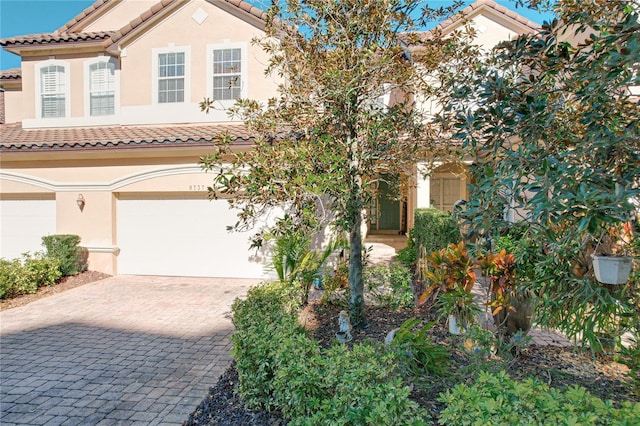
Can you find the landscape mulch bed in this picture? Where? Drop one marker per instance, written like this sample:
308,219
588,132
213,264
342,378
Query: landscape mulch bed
66,283
557,366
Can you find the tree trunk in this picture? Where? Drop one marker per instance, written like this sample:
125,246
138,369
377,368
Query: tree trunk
356,285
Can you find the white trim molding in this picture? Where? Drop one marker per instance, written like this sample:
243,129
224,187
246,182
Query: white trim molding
115,250
102,186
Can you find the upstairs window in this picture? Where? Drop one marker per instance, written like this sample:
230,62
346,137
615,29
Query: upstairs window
227,74
171,77
52,91
102,84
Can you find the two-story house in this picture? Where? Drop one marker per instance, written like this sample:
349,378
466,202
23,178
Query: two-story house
492,23
102,134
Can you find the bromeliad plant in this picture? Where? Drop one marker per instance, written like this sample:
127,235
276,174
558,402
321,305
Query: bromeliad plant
417,353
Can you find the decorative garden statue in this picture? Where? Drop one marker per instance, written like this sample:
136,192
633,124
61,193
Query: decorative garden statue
344,335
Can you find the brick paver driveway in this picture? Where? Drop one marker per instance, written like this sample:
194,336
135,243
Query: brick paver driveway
124,350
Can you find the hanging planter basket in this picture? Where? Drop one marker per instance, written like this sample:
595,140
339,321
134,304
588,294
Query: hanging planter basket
612,269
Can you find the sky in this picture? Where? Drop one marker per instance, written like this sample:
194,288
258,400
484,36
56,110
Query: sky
20,17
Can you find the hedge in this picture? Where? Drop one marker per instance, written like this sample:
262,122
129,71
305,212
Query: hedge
66,249
433,230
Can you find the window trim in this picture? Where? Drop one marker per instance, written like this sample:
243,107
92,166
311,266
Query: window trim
243,71
87,86
155,53
39,88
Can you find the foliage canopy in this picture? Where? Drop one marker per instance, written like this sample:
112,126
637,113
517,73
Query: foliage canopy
327,139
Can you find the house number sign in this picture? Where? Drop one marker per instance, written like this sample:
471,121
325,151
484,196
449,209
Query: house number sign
198,187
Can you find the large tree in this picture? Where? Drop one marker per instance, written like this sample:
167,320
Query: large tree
327,135
553,122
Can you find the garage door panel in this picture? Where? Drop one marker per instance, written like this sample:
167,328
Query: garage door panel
23,223
183,237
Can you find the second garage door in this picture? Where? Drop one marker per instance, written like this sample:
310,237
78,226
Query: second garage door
23,223
183,236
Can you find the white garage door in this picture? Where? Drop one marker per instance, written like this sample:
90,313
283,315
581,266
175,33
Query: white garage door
183,237
23,223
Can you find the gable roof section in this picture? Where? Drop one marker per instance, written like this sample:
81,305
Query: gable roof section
88,15
487,8
477,8
72,32
148,18
17,139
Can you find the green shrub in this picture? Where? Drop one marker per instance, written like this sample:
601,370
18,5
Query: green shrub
11,272
300,384
65,248
496,399
363,390
432,230
42,270
280,368
408,256
26,275
262,322
390,285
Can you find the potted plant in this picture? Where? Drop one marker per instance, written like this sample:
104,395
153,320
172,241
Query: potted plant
611,265
451,277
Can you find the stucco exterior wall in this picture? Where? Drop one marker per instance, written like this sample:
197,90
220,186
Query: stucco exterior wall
12,106
182,32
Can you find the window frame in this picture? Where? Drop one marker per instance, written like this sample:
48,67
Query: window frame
155,62
88,93
211,48
66,90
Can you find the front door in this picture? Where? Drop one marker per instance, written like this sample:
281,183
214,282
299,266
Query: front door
385,216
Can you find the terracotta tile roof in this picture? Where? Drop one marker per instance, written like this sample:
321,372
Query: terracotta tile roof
84,14
413,39
11,74
16,139
67,33
51,38
2,107
249,8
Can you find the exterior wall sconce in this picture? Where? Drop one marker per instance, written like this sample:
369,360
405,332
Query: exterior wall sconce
80,202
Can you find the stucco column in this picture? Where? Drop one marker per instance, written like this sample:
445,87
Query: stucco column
94,222
423,189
